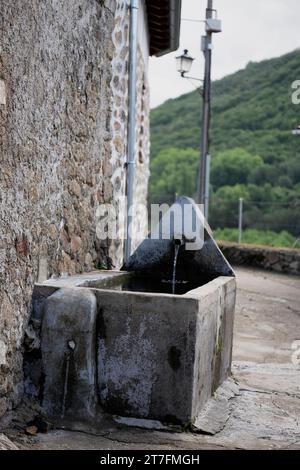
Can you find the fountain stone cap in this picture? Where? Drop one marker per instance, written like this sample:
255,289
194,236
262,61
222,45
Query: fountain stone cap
200,256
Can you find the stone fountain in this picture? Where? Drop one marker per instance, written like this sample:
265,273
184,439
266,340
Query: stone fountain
153,340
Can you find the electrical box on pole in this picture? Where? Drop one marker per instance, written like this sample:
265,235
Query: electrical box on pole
205,43
213,25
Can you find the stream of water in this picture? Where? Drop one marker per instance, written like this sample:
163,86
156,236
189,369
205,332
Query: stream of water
174,268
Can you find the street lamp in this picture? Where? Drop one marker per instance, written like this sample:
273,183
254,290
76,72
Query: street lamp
184,62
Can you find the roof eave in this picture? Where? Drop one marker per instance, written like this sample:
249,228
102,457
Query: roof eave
174,16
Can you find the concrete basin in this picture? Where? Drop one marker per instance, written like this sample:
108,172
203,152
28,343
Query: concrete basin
158,356
136,349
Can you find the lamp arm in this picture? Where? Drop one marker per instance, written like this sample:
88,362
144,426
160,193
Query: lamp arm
191,78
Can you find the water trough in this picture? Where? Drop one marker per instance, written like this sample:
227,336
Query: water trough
153,340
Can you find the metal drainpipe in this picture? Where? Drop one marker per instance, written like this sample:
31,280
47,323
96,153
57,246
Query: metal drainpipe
130,162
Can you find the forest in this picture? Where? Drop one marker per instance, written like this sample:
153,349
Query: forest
254,154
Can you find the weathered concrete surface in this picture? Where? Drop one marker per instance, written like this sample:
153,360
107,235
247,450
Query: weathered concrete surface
213,417
68,346
6,444
267,316
214,337
158,356
266,412
146,350
161,356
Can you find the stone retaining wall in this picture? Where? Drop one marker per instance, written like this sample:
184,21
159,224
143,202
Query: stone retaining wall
283,260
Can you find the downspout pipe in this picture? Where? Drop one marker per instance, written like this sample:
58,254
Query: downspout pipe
131,134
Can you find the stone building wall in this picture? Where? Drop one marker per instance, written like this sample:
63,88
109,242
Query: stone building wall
119,119
63,99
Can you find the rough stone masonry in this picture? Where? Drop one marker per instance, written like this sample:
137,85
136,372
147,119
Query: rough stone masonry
63,115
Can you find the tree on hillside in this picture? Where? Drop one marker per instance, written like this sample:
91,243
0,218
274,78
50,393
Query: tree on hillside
173,172
233,167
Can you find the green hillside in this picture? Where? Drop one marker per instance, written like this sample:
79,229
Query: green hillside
254,154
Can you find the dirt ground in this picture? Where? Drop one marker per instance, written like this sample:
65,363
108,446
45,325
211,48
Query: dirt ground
264,414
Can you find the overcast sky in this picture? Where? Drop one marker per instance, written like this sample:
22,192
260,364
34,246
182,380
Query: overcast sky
253,30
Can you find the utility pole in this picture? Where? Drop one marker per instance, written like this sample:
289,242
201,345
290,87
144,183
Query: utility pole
207,178
184,62
241,203
207,50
